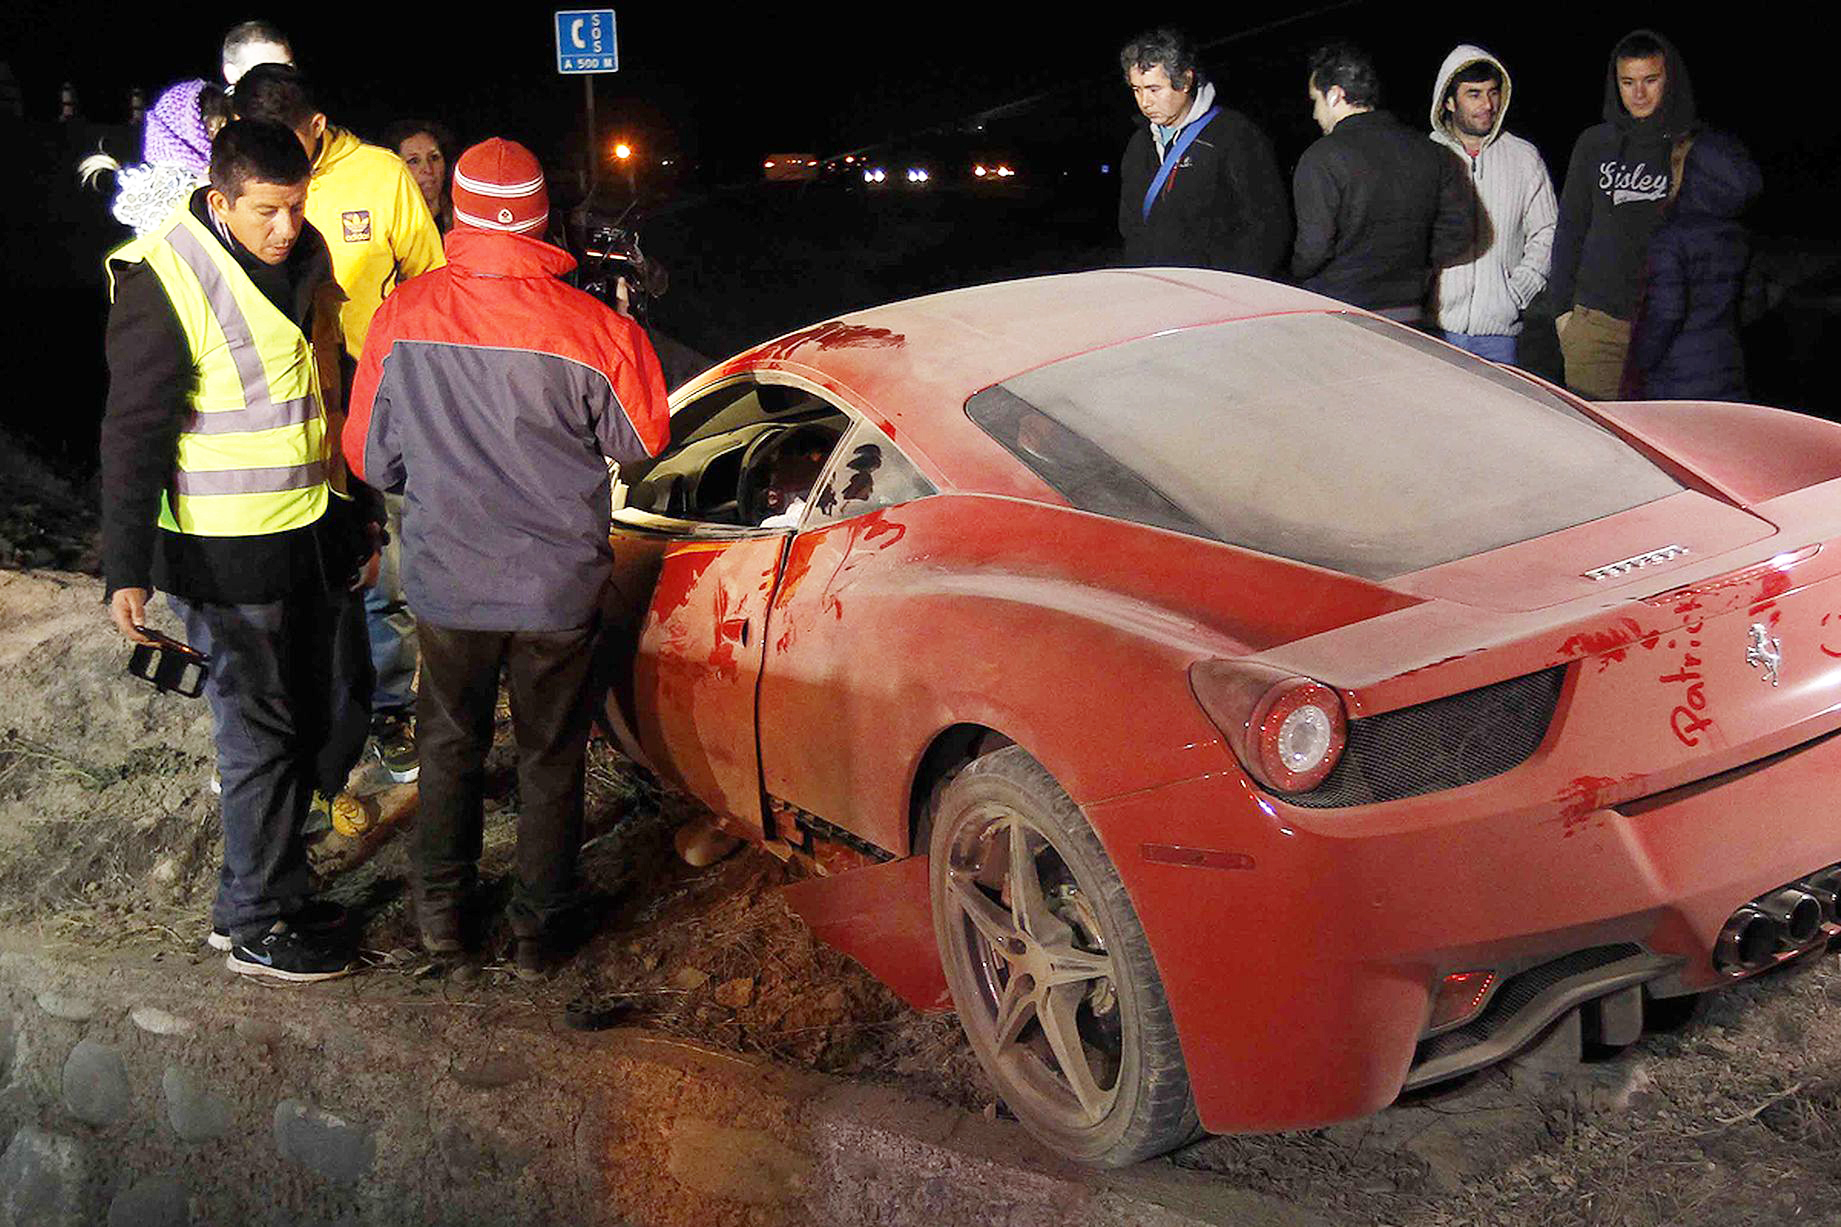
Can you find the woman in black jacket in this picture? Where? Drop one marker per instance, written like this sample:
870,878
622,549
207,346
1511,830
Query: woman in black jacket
1685,343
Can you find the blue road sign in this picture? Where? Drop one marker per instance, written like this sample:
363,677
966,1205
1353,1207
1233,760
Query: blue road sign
585,41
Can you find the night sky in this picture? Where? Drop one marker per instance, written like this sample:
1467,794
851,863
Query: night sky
717,88
724,84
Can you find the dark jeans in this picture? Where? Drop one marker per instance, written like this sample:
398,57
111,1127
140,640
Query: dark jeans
548,672
289,689
392,627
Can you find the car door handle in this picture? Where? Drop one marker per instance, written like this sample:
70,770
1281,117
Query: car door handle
736,628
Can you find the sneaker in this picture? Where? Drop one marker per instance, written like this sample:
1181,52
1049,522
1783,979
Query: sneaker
287,954
317,918
344,814
350,816
393,741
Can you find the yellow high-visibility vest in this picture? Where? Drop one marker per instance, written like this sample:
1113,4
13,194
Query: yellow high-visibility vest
252,450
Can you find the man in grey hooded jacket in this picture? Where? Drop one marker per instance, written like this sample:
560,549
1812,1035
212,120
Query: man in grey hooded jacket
1479,305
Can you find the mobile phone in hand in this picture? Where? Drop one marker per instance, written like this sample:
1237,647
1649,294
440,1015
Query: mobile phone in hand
170,665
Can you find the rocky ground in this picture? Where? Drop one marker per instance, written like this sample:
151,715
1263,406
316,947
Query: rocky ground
1728,1111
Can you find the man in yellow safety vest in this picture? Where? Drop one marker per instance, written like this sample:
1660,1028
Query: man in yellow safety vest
223,488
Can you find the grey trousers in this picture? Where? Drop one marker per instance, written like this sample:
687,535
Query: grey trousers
289,689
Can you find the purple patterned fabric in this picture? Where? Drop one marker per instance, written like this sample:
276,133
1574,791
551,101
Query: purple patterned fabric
175,132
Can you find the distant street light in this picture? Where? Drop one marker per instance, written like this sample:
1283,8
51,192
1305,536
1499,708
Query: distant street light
623,153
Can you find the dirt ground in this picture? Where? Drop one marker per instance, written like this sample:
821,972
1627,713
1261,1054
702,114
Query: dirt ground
1728,1110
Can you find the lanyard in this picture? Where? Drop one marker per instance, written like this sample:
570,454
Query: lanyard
1178,147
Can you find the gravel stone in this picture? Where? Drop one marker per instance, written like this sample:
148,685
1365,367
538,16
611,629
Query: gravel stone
95,1084
41,1181
156,1021
158,1201
9,1044
194,1112
71,1009
322,1142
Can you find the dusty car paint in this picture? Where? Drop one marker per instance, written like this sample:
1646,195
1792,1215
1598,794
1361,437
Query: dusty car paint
1300,977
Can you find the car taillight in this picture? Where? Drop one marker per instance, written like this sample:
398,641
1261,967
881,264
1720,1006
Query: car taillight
1287,731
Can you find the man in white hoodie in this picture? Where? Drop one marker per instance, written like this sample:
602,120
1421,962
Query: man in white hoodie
1479,305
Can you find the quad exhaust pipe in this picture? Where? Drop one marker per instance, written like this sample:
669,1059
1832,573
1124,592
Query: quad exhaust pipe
1785,922
1747,942
1798,915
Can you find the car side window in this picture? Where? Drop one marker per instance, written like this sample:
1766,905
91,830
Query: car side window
738,456
868,473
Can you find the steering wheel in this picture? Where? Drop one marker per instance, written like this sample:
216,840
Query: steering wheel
755,457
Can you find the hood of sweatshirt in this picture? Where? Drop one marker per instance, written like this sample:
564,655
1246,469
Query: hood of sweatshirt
1198,107
1461,57
1719,180
1675,117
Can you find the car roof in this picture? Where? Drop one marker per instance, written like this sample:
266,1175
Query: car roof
912,365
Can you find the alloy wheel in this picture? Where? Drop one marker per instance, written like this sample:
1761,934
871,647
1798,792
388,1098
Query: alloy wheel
1048,1006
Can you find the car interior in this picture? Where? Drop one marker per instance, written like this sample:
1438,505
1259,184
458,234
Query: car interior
740,455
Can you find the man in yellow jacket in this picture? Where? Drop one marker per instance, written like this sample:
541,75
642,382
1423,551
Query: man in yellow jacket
376,221
362,198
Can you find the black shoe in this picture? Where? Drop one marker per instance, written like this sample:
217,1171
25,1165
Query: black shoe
289,955
317,918
393,741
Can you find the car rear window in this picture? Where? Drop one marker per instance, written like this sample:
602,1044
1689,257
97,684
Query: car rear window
1337,440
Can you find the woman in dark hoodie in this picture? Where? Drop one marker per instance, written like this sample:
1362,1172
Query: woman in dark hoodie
1612,203
1685,344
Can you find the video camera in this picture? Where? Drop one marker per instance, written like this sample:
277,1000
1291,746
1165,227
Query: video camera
610,264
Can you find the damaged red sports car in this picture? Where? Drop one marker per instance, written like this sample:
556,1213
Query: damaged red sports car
1240,708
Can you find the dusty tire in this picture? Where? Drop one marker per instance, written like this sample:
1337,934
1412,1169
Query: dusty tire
1086,966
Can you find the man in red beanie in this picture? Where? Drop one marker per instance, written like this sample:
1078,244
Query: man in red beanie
488,393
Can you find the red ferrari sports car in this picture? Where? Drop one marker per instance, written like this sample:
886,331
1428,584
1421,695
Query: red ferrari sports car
1238,707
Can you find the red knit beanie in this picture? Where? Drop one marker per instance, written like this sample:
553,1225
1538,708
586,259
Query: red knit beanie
498,185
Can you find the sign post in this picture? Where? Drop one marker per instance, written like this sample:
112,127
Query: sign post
586,44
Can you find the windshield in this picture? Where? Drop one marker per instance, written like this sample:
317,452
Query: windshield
1331,439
